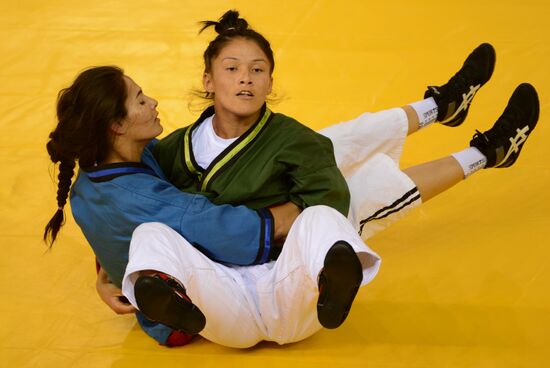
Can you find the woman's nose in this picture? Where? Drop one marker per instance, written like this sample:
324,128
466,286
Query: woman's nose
245,78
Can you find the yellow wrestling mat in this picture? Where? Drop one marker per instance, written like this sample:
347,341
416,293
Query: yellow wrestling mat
465,279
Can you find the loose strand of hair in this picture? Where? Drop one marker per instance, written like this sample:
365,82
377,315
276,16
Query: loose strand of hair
206,24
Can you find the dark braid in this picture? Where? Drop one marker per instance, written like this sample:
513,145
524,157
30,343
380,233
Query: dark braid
85,111
66,172
229,27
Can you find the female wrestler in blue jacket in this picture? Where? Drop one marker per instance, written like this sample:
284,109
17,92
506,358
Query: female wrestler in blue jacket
107,125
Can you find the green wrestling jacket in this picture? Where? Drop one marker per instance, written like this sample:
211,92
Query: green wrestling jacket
275,161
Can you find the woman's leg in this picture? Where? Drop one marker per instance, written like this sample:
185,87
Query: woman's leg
381,193
498,147
288,294
359,139
435,177
231,316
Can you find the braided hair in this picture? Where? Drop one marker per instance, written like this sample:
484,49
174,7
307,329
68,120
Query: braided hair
85,111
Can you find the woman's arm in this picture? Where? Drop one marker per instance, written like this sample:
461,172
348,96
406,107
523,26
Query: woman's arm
283,217
316,180
111,295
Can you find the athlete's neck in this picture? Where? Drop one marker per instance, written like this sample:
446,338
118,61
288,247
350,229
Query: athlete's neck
227,125
124,151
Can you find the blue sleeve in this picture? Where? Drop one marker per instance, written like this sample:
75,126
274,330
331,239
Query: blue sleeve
224,233
157,331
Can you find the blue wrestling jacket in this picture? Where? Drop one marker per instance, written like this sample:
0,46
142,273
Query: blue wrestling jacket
109,201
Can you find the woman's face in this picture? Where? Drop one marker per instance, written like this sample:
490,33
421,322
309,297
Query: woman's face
142,122
240,78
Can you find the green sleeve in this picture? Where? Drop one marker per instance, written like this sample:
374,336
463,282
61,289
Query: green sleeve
316,180
324,186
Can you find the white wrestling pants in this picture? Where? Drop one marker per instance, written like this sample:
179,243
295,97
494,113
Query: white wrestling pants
367,151
277,301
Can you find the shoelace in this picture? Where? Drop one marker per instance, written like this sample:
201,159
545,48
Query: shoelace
501,127
461,79
482,135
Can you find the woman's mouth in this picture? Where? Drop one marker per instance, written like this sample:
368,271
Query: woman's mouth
245,93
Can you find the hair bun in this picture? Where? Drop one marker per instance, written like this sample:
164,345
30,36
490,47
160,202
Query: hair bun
231,21
228,22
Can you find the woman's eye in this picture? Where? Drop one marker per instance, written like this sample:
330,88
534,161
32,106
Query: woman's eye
142,102
257,70
231,68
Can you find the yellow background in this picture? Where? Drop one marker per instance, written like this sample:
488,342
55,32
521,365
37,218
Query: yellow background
465,279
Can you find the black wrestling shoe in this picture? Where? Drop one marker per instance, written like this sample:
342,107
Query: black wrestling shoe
163,299
339,282
502,143
453,99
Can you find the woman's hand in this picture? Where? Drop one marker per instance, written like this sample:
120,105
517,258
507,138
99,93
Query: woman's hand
112,295
284,216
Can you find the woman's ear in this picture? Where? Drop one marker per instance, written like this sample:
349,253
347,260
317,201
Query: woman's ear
207,82
118,127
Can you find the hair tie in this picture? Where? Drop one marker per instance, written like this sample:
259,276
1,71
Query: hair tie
60,208
231,29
